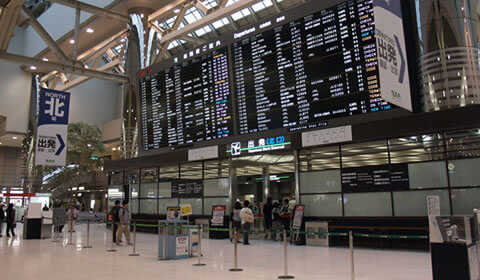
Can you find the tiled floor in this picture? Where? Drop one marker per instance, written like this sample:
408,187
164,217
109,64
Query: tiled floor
42,260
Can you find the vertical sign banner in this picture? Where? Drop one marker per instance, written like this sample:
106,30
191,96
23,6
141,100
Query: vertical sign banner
392,55
52,128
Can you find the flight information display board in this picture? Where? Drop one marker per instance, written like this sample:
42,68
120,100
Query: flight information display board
189,102
302,73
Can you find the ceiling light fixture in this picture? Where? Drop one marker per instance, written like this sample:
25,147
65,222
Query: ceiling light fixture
90,30
72,41
33,67
142,15
14,137
45,59
177,10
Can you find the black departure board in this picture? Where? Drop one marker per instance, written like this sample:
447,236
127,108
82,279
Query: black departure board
189,102
392,177
187,188
309,70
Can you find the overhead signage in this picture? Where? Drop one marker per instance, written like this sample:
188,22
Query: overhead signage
52,128
392,55
260,145
327,136
203,153
392,177
185,188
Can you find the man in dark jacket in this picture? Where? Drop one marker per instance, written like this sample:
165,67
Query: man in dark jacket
267,215
115,219
2,217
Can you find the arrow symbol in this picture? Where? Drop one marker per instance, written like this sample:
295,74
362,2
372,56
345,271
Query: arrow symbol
62,145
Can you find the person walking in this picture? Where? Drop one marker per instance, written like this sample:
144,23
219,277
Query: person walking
267,216
285,216
2,217
236,221
72,216
124,226
11,214
115,219
246,215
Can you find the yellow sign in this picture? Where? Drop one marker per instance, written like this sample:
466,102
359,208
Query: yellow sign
186,210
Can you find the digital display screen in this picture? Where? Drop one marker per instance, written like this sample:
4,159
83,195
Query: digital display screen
304,72
187,103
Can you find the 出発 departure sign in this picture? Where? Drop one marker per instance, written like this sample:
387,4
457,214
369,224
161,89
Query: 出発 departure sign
265,144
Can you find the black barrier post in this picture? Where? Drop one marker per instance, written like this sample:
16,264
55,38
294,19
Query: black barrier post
352,264
88,236
235,254
285,258
70,241
111,245
199,248
134,254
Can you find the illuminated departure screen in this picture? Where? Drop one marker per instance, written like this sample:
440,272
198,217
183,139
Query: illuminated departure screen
187,103
302,73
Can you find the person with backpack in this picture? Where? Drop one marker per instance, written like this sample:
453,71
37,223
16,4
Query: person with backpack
2,217
115,219
246,215
236,221
72,216
124,226
11,220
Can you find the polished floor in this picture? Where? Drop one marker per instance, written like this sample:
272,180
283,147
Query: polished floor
41,260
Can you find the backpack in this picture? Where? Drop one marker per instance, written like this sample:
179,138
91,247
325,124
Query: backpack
116,216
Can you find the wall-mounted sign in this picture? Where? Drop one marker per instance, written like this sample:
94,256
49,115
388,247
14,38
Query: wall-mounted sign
392,177
327,136
52,128
185,188
218,214
203,153
186,210
266,144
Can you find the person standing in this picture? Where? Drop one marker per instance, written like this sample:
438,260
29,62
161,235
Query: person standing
236,221
285,216
267,215
115,219
2,217
124,226
246,215
276,223
72,216
11,220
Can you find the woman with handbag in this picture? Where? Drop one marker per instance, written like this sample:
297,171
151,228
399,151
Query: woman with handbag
10,220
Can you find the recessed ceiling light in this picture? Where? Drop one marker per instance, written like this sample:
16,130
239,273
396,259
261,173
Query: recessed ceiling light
72,41
0,143
33,67
45,59
177,10
90,30
122,40
142,15
14,137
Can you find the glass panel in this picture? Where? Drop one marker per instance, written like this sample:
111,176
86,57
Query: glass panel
417,148
368,204
132,176
209,202
323,205
165,189
164,203
149,175
428,175
216,187
116,178
320,159
134,190
414,203
149,190
320,181
463,144
464,172
115,192
465,200
196,204
213,169
168,172
133,205
364,154
282,168
191,171
148,206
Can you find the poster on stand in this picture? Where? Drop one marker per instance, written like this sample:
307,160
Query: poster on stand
186,210
298,216
218,215
173,213
181,246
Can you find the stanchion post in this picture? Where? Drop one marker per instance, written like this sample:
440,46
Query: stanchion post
111,243
352,264
70,241
285,258
134,254
235,254
199,247
88,236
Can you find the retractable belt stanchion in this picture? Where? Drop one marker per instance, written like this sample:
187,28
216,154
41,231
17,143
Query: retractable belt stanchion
199,247
285,258
352,264
55,231
235,254
111,244
70,239
134,254
88,236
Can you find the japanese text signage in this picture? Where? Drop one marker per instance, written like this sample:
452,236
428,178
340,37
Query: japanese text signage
52,127
392,56
266,144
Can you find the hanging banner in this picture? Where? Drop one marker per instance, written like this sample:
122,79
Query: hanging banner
52,128
392,54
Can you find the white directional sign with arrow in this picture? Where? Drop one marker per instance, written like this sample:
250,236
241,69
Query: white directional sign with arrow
52,128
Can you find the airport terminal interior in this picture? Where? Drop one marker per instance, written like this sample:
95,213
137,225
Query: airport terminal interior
245,139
